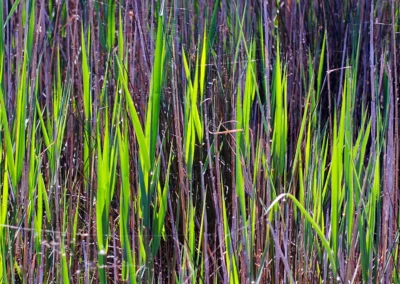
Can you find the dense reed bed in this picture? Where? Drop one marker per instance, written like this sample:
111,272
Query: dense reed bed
208,141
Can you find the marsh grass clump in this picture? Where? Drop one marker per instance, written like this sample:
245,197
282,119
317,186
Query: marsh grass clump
205,141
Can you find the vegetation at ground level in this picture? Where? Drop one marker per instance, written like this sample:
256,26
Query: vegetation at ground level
201,141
